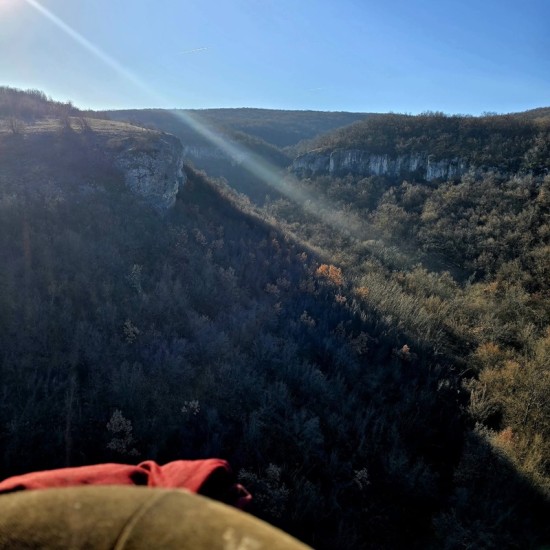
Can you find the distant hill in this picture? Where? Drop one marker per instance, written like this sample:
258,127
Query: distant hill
506,142
541,114
277,127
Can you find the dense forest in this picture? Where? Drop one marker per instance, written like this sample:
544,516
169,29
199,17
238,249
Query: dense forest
372,360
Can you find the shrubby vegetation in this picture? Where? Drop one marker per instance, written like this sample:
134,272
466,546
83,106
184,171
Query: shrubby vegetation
462,268
31,105
376,384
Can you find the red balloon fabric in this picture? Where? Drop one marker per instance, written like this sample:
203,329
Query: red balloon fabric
210,477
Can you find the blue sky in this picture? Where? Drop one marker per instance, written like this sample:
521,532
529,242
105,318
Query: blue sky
370,56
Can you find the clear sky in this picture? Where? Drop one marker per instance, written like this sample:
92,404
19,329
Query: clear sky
456,56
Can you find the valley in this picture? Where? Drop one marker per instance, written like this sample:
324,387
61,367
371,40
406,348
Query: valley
367,346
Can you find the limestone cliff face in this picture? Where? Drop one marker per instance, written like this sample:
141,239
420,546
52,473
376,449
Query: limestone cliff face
341,162
152,167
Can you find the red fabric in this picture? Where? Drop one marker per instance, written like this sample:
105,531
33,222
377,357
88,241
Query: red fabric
211,477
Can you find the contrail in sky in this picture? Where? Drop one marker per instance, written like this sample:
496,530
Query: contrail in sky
195,50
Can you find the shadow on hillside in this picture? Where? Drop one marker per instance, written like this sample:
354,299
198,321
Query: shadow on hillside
491,505
63,156
213,334
431,479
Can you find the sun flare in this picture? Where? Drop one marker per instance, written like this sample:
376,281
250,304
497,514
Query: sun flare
10,5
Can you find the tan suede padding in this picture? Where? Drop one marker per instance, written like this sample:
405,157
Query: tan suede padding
130,518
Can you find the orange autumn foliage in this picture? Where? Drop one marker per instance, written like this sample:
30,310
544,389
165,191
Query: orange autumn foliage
330,272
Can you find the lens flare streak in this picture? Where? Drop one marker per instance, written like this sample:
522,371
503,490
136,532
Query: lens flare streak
85,43
253,163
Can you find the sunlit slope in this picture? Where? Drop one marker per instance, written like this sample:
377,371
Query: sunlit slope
461,263
541,114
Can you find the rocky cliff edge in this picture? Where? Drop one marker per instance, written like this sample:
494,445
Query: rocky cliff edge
340,162
152,165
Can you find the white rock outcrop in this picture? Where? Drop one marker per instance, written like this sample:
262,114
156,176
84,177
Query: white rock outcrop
341,162
153,167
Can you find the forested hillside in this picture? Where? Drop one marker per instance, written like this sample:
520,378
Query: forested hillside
463,267
372,359
507,143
